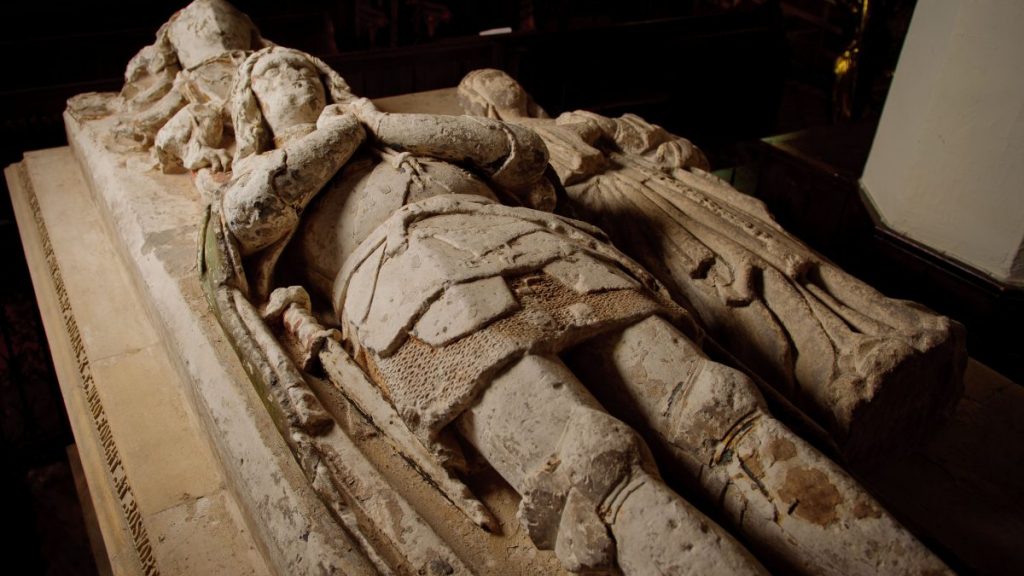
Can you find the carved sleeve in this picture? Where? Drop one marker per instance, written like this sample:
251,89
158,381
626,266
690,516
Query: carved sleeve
513,157
263,202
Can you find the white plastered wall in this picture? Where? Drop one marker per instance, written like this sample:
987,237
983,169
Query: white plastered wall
947,165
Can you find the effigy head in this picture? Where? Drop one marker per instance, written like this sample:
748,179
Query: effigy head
288,89
494,94
278,90
206,29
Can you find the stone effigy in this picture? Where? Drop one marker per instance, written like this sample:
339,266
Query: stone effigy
605,504
413,264
874,372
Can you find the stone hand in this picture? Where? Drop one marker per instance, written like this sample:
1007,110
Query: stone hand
217,159
366,112
330,115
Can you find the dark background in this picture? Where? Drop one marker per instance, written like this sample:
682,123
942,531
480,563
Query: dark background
724,73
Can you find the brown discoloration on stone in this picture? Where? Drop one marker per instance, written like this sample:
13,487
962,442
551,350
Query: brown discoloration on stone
753,466
866,509
395,513
830,344
811,496
780,450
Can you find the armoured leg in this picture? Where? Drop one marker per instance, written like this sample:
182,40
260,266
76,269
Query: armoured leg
590,488
790,501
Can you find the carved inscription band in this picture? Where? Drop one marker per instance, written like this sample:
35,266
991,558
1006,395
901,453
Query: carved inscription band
112,458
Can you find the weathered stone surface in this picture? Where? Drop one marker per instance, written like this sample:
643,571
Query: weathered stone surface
279,507
464,309
458,249
144,453
789,501
708,416
874,372
441,314
174,92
